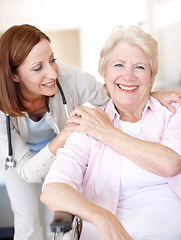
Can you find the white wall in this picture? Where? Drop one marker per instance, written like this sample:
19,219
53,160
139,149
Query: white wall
66,45
167,26
171,53
94,18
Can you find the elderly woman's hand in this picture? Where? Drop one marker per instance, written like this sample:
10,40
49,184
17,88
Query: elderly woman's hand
109,226
166,97
92,121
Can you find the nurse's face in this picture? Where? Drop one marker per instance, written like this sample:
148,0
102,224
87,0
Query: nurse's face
38,74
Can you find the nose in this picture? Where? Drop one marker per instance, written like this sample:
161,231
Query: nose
52,71
128,74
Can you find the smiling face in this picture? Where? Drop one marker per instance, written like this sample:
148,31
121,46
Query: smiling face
128,76
38,74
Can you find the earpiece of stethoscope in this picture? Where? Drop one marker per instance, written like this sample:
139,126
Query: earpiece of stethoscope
9,162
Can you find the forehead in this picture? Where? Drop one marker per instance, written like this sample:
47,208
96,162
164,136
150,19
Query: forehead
41,52
41,48
126,51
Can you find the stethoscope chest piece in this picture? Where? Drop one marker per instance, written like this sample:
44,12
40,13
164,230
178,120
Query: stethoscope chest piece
9,163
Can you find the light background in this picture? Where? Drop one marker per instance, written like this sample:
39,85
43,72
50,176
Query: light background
79,28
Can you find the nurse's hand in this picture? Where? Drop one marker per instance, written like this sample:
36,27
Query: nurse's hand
92,121
59,140
166,97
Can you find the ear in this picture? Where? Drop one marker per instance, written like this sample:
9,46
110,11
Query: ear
15,78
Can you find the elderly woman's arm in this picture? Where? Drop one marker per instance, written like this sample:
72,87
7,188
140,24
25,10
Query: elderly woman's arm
63,197
152,156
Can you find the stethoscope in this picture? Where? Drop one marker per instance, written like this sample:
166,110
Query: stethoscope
10,162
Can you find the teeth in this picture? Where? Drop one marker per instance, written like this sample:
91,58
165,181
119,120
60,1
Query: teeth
48,84
127,88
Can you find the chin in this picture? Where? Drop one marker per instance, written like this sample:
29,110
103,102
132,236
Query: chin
51,92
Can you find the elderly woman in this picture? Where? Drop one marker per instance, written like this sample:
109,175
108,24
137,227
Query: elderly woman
128,167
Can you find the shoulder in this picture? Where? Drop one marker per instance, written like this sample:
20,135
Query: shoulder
156,106
67,71
157,120
2,115
157,115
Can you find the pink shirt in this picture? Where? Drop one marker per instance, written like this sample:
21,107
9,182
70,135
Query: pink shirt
94,167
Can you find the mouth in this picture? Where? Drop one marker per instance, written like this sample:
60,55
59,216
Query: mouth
49,84
127,88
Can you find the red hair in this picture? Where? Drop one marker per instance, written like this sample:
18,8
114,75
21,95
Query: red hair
15,45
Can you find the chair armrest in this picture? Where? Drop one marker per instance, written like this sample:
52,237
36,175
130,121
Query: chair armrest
62,222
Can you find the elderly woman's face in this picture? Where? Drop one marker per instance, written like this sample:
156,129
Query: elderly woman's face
128,77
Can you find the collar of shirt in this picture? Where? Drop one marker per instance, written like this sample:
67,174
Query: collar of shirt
152,103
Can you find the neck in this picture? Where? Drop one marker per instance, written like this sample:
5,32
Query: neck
131,112
32,99
131,116
35,105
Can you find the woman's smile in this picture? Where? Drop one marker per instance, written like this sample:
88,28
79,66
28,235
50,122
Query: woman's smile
127,88
50,84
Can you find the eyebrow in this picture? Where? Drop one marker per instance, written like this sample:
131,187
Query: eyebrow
133,64
142,63
36,63
39,62
118,60
52,54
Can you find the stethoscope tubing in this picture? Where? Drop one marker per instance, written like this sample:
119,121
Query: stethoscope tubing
10,151
10,162
64,101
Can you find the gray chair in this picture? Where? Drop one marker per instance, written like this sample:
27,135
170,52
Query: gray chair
64,223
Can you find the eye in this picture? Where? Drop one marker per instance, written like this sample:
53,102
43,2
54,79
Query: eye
53,60
119,65
140,67
37,69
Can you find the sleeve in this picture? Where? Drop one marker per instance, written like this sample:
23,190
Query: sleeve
171,137
31,167
3,140
90,90
71,162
